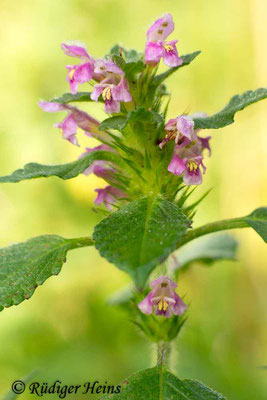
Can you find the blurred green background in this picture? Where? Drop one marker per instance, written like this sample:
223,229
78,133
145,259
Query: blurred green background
67,330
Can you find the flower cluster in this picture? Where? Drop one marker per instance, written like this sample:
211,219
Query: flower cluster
188,150
126,90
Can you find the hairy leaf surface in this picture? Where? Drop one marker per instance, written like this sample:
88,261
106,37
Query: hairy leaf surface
24,266
226,115
140,235
63,171
160,384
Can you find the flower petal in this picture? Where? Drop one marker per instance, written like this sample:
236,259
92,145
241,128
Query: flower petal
50,106
192,177
121,92
75,50
179,307
170,55
146,305
161,28
177,165
153,52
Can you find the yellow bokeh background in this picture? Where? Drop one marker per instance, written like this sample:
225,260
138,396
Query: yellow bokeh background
66,330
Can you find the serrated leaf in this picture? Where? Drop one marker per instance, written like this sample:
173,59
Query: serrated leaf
226,115
206,250
160,384
118,60
258,221
118,122
132,55
187,59
140,235
25,266
71,98
64,171
116,49
132,68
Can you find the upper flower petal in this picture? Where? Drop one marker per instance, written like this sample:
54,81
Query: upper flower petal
75,50
51,106
185,126
104,67
161,28
163,279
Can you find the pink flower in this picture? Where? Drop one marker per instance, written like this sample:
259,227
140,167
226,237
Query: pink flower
81,73
108,196
187,163
75,118
157,47
69,129
163,297
114,88
180,129
100,168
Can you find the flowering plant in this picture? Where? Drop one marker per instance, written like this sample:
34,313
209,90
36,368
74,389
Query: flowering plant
150,165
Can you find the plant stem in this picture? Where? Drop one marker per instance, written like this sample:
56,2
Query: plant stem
81,242
164,351
213,227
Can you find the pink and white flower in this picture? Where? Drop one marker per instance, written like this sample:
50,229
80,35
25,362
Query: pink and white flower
163,298
157,47
108,196
180,129
75,118
80,73
113,88
188,166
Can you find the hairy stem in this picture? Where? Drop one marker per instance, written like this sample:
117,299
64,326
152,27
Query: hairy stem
164,352
81,242
213,227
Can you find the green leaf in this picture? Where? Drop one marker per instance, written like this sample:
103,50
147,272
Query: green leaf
118,122
258,221
143,115
118,60
132,68
140,235
65,171
70,98
207,250
160,384
226,115
115,50
25,266
187,59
